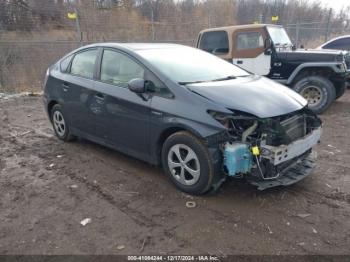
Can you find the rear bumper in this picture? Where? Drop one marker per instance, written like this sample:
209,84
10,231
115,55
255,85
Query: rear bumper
293,174
45,103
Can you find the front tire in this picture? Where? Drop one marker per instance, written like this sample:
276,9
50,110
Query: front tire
318,91
187,162
60,124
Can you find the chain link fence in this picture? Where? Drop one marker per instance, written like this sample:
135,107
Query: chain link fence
23,63
26,54
312,35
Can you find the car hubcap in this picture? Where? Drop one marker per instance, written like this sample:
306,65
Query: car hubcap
312,94
184,164
59,124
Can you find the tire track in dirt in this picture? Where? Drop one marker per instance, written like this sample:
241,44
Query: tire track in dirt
136,216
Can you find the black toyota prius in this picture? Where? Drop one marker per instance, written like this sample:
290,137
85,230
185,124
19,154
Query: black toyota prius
202,118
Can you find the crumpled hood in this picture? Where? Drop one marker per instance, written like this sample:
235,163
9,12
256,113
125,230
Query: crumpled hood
253,94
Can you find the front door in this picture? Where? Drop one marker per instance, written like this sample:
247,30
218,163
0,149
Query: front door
249,51
124,115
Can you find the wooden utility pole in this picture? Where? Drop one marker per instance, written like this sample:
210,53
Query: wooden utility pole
77,23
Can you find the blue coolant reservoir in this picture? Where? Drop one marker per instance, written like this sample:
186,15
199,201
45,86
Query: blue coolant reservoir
237,158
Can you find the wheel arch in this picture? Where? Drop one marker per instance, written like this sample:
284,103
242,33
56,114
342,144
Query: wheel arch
50,105
313,69
198,130
167,132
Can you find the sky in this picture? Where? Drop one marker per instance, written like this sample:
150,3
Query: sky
337,5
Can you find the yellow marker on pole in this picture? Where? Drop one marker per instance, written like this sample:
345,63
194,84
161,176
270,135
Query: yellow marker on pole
274,18
72,16
255,151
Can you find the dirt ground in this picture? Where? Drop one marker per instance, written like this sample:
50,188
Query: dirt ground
48,187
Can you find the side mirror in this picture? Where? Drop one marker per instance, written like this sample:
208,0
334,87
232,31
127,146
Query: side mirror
137,85
267,43
302,46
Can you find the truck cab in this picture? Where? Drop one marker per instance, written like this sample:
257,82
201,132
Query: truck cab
263,49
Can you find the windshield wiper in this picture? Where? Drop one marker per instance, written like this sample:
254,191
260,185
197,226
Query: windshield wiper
206,81
190,82
223,78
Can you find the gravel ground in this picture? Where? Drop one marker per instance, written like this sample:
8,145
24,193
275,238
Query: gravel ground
48,187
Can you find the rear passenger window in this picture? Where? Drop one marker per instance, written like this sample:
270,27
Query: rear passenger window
214,42
340,44
250,40
83,63
119,69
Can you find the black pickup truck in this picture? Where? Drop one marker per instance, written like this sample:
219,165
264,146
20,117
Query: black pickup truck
320,76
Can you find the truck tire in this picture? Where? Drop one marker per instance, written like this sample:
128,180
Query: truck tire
187,162
340,90
317,90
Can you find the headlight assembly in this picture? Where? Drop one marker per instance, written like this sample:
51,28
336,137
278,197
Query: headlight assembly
222,118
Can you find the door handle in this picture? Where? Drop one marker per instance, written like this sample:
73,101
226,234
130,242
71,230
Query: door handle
157,113
99,96
65,86
239,62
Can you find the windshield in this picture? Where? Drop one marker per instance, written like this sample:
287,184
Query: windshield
186,64
279,36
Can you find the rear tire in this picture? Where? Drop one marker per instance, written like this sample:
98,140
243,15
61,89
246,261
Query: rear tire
60,124
317,90
187,162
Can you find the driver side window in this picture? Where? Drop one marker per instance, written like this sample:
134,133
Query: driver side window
118,69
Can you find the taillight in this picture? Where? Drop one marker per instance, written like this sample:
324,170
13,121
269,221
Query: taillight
46,77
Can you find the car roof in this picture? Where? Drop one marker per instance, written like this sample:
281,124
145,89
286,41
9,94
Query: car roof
236,27
333,39
135,46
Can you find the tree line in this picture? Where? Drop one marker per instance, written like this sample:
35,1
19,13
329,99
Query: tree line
158,20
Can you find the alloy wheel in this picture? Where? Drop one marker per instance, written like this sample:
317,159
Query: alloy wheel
184,164
59,123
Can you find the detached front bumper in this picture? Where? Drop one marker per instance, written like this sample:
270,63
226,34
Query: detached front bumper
293,174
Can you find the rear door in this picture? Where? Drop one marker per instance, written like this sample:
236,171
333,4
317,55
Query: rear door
78,87
248,51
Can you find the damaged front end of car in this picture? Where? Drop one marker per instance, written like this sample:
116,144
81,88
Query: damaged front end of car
268,152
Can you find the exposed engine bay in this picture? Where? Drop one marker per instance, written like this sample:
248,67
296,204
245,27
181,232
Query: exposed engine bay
270,151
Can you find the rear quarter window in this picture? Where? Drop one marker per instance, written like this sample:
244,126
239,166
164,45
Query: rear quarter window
214,42
64,65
